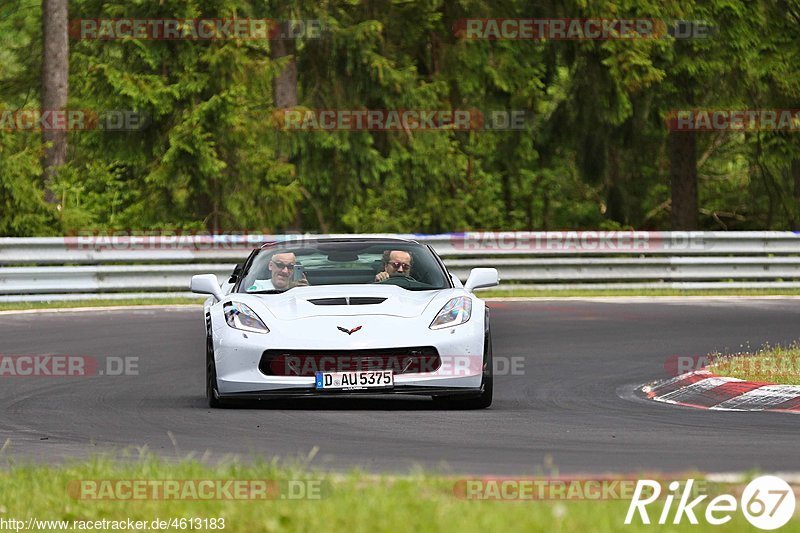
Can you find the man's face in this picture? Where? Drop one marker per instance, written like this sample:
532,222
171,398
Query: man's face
399,263
281,266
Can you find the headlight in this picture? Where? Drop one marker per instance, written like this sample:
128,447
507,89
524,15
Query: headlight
239,316
455,312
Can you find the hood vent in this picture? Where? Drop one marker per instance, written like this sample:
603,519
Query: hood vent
346,300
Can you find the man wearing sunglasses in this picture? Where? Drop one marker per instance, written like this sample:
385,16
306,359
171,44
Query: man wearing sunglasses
281,267
395,263
281,270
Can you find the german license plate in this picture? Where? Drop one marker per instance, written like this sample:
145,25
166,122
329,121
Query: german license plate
380,379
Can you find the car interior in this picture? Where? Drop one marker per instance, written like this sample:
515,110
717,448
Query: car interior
334,266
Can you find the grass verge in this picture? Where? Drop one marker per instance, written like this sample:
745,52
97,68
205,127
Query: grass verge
11,306
579,293
521,293
778,364
353,501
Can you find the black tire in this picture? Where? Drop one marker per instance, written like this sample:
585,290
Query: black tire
212,392
487,386
484,399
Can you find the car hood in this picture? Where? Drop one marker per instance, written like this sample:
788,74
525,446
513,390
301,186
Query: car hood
345,300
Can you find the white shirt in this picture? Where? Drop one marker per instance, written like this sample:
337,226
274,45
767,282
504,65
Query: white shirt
261,285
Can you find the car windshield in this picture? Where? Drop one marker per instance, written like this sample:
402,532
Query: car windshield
284,266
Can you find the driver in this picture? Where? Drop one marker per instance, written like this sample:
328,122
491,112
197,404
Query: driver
395,263
281,269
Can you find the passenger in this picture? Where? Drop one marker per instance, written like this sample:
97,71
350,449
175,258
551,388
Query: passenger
281,267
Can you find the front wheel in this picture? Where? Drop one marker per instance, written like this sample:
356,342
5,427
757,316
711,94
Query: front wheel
212,392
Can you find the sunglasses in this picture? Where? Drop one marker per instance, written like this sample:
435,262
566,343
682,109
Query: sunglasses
398,265
281,266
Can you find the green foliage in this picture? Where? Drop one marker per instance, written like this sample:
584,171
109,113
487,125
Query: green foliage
592,153
22,208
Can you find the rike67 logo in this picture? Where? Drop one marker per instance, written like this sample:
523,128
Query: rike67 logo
768,502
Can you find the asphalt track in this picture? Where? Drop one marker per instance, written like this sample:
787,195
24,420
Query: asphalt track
571,410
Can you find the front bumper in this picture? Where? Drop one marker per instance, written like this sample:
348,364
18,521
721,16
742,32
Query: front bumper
238,355
275,394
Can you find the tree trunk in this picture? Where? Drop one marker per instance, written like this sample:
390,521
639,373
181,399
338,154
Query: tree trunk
55,71
284,92
285,83
615,200
795,170
683,176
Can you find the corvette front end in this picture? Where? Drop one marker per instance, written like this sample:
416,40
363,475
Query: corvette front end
346,317
287,358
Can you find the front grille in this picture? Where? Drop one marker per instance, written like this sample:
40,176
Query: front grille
353,300
306,362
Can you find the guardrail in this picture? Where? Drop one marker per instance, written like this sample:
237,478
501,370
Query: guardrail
123,266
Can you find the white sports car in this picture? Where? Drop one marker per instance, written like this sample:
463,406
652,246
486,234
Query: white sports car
345,317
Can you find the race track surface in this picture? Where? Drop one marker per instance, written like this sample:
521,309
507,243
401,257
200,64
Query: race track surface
571,410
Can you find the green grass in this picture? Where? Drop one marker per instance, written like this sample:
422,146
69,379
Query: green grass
353,501
779,364
518,293
8,306
580,293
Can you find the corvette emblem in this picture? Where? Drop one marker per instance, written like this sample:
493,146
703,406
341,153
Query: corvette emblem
349,331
